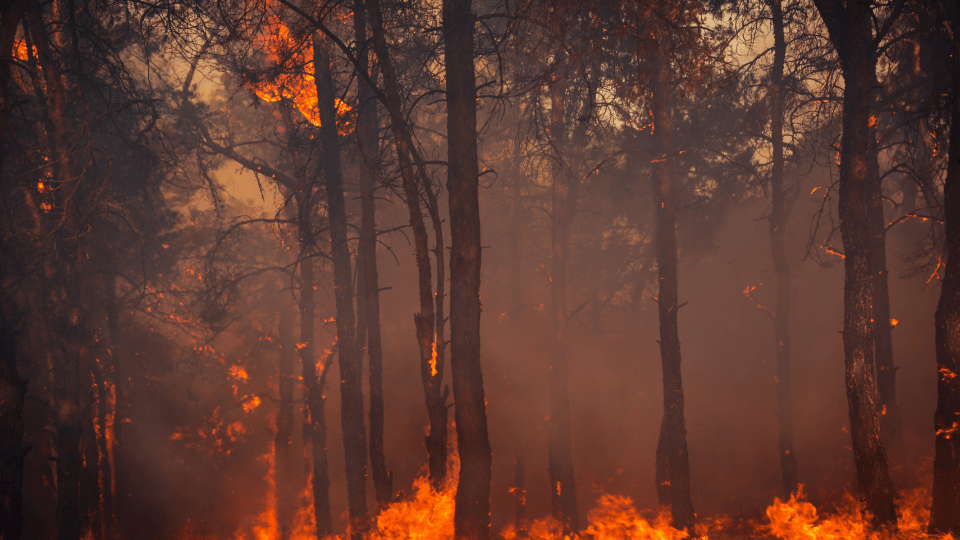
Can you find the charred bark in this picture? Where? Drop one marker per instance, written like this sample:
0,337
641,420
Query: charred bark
850,30
778,224
351,376
367,139
945,511
673,464
13,391
472,511
429,321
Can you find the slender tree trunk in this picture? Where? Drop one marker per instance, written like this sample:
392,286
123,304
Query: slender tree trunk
351,375
472,508
851,32
945,511
121,494
778,224
313,392
91,517
283,439
891,424
69,462
103,447
367,138
429,321
673,465
563,486
13,391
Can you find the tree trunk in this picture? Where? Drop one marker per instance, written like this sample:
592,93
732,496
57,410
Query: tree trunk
428,322
66,293
945,511
851,33
351,375
563,486
472,508
103,448
121,494
13,391
890,421
778,224
91,516
367,139
283,440
313,391
673,465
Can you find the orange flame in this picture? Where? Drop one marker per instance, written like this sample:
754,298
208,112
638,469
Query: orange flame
295,77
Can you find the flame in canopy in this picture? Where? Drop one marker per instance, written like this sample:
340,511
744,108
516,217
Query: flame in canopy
292,75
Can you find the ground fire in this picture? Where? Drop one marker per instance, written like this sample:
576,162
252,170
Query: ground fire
464,270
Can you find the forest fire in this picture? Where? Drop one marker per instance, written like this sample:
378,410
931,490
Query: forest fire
413,270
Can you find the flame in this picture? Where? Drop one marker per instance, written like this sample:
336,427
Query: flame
797,519
433,357
614,518
426,515
294,78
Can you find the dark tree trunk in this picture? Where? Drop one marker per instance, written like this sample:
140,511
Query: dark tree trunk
429,321
103,447
351,375
472,512
367,139
945,511
673,465
121,493
313,391
66,294
13,391
778,224
890,422
851,32
563,486
91,516
283,440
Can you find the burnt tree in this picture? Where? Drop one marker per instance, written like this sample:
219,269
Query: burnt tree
471,519
781,266
368,143
850,28
428,321
672,462
351,375
945,511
